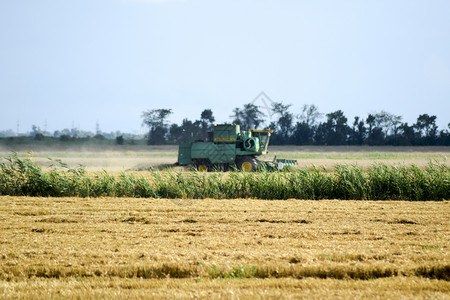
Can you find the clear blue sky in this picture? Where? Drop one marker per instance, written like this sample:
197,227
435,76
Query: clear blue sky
76,62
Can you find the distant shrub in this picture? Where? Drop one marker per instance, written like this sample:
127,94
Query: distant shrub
99,137
119,140
65,138
39,137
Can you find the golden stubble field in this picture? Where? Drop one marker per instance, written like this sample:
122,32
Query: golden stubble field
242,248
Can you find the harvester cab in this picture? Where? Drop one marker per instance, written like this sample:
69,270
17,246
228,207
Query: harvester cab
229,147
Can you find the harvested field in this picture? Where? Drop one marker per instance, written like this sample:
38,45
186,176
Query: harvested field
118,247
142,158
110,247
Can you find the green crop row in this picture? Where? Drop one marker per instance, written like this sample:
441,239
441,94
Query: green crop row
22,177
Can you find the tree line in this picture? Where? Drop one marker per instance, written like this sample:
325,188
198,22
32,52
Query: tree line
69,135
309,127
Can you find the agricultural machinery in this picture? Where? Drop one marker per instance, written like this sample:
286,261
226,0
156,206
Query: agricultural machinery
227,146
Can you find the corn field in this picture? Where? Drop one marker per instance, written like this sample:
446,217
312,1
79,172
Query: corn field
22,177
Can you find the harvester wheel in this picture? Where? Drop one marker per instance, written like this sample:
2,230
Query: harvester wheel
202,166
247,163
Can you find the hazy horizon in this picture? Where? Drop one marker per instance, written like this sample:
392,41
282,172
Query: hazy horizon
66,64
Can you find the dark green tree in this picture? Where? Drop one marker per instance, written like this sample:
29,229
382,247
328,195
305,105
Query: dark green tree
190,131
375,134
119,140
156,120
283,127
406,135
249,117
206,122
387,122
376,137
303,134
321,133
175,133
207,119
444,136
370,121
305,131
426,126
336,128
358,132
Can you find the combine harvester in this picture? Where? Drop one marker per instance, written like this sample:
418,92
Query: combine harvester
227,147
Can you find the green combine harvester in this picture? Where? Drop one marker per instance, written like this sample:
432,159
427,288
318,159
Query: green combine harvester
227,147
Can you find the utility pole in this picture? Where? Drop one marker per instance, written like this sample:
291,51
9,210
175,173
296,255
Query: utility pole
97,128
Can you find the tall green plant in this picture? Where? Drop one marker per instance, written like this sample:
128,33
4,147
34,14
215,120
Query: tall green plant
22,177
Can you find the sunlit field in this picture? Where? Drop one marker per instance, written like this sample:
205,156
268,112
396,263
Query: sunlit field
121,247
118,247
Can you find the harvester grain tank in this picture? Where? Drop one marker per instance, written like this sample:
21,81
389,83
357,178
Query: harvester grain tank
228,146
